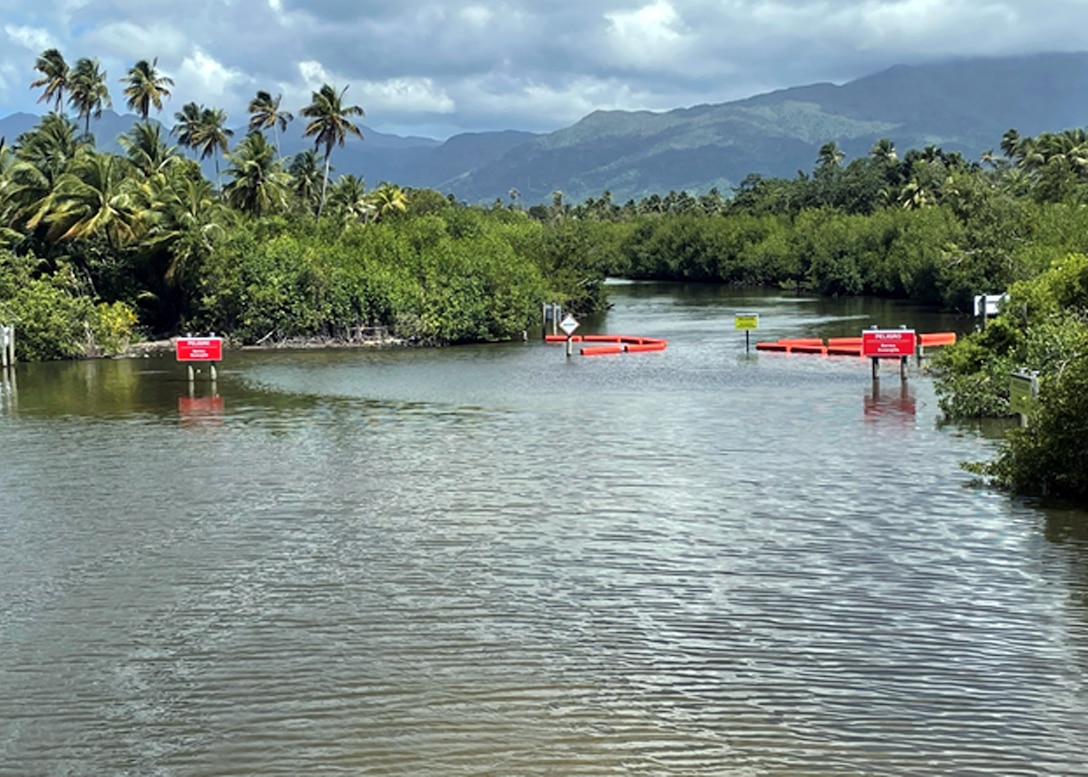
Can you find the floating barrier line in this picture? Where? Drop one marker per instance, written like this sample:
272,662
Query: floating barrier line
616,343
844,346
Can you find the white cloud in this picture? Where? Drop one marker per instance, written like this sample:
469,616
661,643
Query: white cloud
209,78
405,95
646,35
33,39
128,41
476,16
313,74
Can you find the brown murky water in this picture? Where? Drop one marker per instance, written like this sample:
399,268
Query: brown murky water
490,560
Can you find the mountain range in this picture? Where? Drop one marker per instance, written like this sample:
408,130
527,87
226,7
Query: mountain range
963,105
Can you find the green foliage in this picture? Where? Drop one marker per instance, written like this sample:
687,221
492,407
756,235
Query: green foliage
1043,327
1050,456
53,318
429,279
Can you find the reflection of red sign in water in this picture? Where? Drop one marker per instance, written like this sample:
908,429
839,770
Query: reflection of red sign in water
197,411
200,349
899,405
887,343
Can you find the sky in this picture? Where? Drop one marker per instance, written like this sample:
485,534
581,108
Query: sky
445,67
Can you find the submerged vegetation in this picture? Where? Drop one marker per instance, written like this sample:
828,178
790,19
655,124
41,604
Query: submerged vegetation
98,248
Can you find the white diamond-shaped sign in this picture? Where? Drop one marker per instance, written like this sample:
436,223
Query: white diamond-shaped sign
568,324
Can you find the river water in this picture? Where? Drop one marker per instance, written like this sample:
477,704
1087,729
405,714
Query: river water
493,560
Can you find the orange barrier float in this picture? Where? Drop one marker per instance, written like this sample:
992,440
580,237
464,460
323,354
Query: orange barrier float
845,346
616,343
643,347
601,350
938,338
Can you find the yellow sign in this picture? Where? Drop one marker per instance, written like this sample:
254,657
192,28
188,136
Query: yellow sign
1023,388
746,321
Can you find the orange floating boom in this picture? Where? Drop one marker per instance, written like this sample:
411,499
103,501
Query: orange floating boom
938,338
655,346
601,350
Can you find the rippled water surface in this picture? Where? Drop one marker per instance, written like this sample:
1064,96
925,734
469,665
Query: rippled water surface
497,561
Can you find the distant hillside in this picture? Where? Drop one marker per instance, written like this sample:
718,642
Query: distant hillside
409,161
961,106
964,105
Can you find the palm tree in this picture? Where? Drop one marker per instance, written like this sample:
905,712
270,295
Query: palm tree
146,87
54,78
329,125
259,185
1012,144
883,151
50,146
213,135
89,92
146,150
387,199
265,112
829,155
348,197
306,179
183,216
92,198
187,130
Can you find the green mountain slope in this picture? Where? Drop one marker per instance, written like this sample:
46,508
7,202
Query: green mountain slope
960,106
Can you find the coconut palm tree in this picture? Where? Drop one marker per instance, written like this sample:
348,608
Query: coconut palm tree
210,135
388,199
146,87
88,91
183,216
883,151
54,80
348,198
305,171
1012,144
329,126
188,127
260,184
93,198
146,149
829,155
265,112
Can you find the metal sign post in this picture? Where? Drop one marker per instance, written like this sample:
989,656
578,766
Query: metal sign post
200,349
746,322
568,325
877,344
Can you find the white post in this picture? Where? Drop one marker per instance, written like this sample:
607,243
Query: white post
7,346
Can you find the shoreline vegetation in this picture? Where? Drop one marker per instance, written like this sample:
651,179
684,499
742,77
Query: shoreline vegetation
99,250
